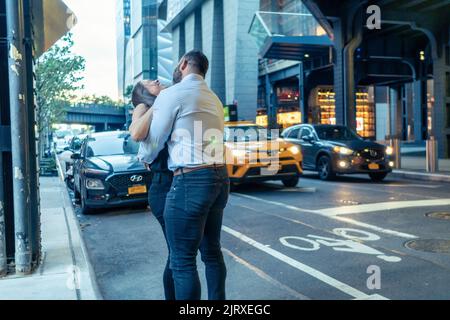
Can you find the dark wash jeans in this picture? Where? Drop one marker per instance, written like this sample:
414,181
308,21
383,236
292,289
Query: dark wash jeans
161,184
193,217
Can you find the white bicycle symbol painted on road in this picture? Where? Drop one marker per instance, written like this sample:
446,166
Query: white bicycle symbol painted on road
351,244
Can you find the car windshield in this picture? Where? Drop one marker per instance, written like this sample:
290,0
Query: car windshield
111,145
246,133
336,133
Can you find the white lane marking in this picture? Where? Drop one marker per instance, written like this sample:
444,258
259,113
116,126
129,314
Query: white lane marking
265,276
383,206
355,293
363,235
421,174
341,219
336,245
299,190
282,188
375,228
412,186
275,203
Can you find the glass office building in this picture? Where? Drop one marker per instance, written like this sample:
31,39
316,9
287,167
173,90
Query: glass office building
144,51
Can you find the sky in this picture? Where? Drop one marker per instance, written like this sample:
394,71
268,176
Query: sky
95,40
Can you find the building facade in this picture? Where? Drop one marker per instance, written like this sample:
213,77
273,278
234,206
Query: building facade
220,29
143,50
284,62
385,83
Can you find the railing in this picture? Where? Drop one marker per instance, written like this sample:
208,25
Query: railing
269,24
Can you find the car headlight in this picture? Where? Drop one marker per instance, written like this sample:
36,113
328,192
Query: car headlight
94,184
343,150
95,171
389,151
294,150
239,153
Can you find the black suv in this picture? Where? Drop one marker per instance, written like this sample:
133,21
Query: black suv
332,149
107,172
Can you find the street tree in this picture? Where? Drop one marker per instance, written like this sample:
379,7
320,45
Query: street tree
59,73
100,101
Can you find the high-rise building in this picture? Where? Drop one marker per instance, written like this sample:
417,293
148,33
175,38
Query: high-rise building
123,33
220,29
144,51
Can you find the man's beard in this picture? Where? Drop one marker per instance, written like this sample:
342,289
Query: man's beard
177,76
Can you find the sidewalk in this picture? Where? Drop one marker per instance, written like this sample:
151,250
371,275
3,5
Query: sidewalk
413,167
65,272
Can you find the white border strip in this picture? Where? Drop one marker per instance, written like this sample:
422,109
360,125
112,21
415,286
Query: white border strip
384,206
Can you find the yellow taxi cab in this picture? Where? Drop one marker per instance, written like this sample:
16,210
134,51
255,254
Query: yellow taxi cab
253,155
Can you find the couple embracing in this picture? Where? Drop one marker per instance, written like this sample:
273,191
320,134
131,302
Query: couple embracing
180,130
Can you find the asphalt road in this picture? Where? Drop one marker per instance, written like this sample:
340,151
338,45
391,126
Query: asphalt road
346,239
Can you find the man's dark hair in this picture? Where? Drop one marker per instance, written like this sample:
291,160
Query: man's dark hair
198,61
140,95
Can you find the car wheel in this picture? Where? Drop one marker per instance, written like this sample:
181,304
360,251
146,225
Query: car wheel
77,195
378,176
70,183
84,208
325,168
291,183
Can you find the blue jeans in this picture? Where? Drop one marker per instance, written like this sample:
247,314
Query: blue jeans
193,216
161,183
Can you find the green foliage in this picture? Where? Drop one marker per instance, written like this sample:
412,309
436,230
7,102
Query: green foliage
128,92
58,76
100,101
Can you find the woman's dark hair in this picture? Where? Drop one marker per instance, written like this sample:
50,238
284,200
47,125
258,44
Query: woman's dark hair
140,95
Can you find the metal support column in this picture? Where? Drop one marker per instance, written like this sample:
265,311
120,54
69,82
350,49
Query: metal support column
303,100
339,71
19,134
271,99
33,160
3,258
4,139
273,111
417,111
349,74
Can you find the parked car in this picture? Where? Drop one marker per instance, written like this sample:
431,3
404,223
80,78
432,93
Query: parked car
60,145
252,157
333,149
66,161
73,146
107,172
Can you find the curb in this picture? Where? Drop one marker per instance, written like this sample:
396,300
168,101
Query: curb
436,177
69,207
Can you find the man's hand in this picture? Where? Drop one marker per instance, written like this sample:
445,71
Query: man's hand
140,125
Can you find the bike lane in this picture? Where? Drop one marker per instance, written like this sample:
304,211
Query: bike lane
324,258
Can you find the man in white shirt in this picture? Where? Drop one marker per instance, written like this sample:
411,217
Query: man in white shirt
189,118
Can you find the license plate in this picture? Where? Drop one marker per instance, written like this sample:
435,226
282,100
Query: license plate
137,190
270,170
374,166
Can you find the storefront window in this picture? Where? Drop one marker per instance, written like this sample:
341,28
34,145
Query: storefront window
288,113
288,97
323,110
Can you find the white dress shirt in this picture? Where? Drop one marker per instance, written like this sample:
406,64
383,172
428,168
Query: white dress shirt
190,118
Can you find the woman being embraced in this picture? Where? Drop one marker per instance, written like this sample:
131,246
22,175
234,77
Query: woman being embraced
143,97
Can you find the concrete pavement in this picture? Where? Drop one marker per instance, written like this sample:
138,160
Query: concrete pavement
64,273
